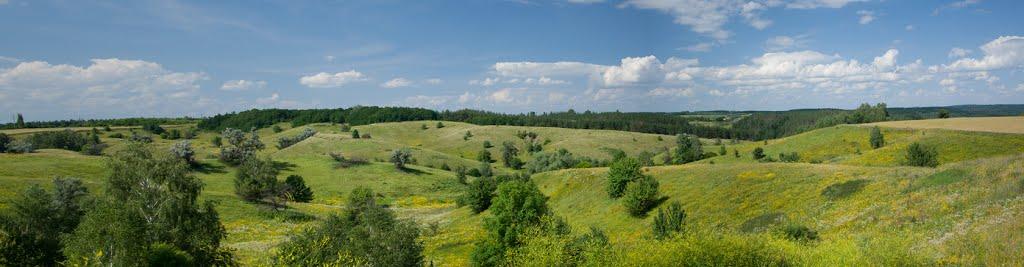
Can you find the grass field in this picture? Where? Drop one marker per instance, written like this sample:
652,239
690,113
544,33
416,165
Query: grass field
968,211
979,124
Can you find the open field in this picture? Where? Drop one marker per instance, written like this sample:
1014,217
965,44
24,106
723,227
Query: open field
980,124
952,214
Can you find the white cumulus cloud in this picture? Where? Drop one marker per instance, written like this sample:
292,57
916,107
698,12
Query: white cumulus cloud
396,82
242,85
1003,52
328,80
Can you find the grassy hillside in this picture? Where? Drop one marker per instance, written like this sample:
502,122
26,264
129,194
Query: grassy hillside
983,124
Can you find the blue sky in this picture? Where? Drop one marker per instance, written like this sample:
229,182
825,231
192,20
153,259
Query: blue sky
101,59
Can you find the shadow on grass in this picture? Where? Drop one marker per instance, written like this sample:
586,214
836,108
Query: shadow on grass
283,165
207,168
412,171
285,214
657,203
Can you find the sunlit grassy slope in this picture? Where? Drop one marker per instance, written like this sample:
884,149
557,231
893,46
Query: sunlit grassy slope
957,213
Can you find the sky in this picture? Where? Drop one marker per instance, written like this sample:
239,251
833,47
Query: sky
108,59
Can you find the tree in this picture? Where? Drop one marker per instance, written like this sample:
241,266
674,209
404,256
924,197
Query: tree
284,142
485,169
640,195
736,153
688,149
943,114
620,174
646,158
31,231
297,190
183,150
484,156
276,129
240,147
4,141
460,174
466,136
487,144
509,154
668,221
364,234
345,128
150,200
758,153
876,140
517,206
479,194
256,181
722,151
19,146
355,134
440,125
400,157
920,155
20,123
217,141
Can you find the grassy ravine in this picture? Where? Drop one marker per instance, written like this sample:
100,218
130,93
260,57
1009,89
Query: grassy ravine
969,211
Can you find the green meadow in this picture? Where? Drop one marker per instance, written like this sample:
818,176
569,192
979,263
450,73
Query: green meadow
866,209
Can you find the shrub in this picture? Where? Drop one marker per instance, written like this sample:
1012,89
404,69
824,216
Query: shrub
276,129
400,157
440,125
345,128
340,161
620,174
30,233
943,114
116,135
217,141
297,190
509,154
66,139
4,140
800,233
484,156
239,148
364,234
485,169
791,157
366,136
460,174
517,206
93,148
758,153
153,128
487,144
355,134
641,195
183,150
548,161
256,181
920,155
668,221
20,146
646,158
284,142
140,138
465,137
479,194
688,149
876,140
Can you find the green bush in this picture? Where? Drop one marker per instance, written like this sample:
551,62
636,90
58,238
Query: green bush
479,194
876,139
920,155
668,221
284,142
400,157
32,228
641,195
484,156
4,140
20,146
800,233
297,189
620,174
758,153
276,129
517,207
256,181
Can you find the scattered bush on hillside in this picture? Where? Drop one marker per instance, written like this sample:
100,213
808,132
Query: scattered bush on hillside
183,150
843,189
465,137
920,155
688,149
173,134
641,195
366,136
340,161
460,174
217,141
400,157
614,153
19,146
93,147
239,148
355,134
4,140
876,140
487,144
32,227
150,200
646,158
620,174
800,233
296,189
509,155
153,128
276,129
364,234
484,156
345,128
562,159
479,193
736,153
65,139
485,169
256,181
758,153
517,207
668,221
140,138
117,135
284,142
790,157
943,114
440,125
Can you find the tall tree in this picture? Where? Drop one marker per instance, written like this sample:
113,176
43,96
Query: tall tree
876,140
20,123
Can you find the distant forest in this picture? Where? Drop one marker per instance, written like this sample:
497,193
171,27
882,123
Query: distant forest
749,125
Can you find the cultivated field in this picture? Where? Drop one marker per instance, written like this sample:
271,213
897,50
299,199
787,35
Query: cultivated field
979,124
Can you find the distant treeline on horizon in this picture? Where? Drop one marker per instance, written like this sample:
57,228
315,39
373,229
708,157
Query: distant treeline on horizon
749,125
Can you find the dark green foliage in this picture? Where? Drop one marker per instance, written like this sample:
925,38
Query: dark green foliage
517,206
297,190
169,256
487,144
876,140
400,157
240,147
645,122
20,146
460,174
943,114
217,141
4,140
688,149
509,155
641,195
920,155
358,115
844,189
440,125
20,122
475,172
484,156
66,139
150,199
790,157
32,229
284,142
106,123
183,150
423,126
153,128
646,158
615,153
117,135
800,233
485,169
355,134
722,151
173,134
364,234
668,221
276,129
106,128
479,194
345,128
340,161
562,159
758,153
620,174
140,138
736,153
256,181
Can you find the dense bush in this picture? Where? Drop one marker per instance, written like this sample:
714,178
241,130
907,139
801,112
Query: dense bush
153,127
276,129
641,195
140,138
364,234
688,149
340,161
4,140
562,159
509,155
20,146
183,150
790,157
256,181
150,200
517,207
66,139
668,221
484,156
239,147
284,142
479,194
876,139
620,174
32,228
355,134
296,189
400,157
800,233
843,189
920,155
758,153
